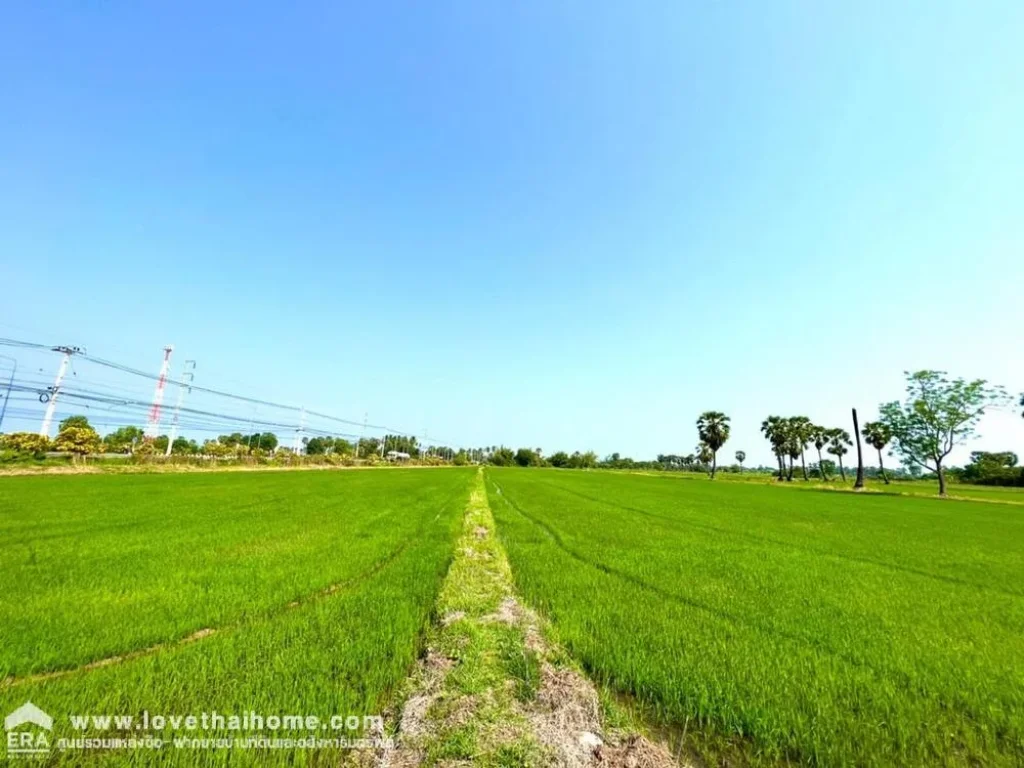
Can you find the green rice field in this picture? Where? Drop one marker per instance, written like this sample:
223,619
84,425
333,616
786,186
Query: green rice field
774,626
755,623
275,592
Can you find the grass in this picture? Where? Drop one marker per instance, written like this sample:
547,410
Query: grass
473,713
928,488
817,628
312,591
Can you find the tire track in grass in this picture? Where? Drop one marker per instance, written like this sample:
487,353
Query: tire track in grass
778,542
905,681
202,634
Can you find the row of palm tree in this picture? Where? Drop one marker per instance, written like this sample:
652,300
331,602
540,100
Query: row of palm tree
791,436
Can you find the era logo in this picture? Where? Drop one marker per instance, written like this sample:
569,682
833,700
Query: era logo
25,741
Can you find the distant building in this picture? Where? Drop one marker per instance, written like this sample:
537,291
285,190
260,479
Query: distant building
397,456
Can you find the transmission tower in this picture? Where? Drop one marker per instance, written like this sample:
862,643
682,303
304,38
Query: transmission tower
187,374
153,424
50,397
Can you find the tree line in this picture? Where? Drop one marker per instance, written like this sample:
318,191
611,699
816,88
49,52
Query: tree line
937,415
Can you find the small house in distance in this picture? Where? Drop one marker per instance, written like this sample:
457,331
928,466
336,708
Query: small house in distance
397,456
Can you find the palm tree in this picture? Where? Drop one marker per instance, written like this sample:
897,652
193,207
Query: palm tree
741,456
819,436
774,430
838,439
705,455
858,484
713,431
878,436
799,436
790,447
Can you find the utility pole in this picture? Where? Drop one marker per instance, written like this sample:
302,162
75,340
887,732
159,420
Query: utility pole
51,396
153,423
10,385
297,445
252,426
859,483
185,385
359,441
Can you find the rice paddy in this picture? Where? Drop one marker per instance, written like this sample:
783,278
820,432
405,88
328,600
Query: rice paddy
743,621
773,626
276,593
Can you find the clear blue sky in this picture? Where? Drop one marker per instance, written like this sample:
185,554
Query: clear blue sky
572,225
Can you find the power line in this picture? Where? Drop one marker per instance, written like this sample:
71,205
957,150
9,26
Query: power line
95,394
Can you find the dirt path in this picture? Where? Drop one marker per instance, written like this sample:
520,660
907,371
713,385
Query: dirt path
494,690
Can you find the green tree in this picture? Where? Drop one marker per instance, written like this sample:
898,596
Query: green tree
74,421
217,449
78,440
184,447
705,455
713,431
26,442
937,415
838,442
825,467
123,440
741,456
525,457
774,429
818,436
369,446
502,457
586,460
160,443
235,438
318,446
877,435
993,469
798,435
559,459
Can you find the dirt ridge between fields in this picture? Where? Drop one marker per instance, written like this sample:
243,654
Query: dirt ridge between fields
494,689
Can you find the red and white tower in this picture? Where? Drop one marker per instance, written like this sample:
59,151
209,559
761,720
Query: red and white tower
153,424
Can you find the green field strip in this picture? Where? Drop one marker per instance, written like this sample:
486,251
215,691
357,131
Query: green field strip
734,618
339,651
676,521
237,560
771,699
205,632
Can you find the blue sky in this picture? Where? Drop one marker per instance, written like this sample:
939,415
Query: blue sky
572,225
